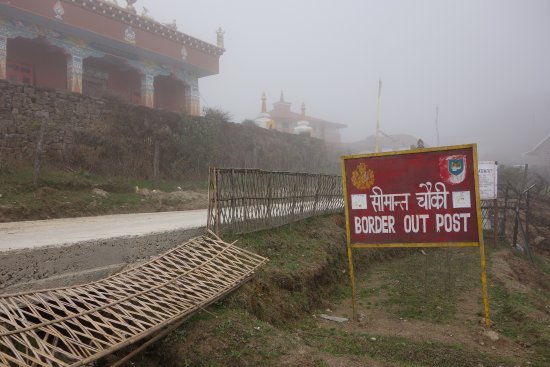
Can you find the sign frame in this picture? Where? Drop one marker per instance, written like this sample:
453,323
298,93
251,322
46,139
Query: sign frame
480,243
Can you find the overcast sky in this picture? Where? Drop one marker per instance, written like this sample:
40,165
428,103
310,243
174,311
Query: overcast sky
486,63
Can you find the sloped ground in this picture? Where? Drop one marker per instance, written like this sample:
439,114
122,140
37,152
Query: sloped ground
66,194
539,228
417,308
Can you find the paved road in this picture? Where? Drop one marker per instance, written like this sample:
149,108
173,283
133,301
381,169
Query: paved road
35,234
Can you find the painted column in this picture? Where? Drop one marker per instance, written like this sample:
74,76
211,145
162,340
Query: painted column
192,95
4,35
149,71
3,55
77,51
148,90
74,73
194,107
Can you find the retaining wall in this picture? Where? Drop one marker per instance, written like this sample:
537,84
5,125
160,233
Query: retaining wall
108,136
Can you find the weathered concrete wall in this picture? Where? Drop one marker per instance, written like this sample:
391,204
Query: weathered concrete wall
110,137
83,262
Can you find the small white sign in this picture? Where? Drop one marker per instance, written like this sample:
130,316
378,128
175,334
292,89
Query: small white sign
359,201
461,199
488,179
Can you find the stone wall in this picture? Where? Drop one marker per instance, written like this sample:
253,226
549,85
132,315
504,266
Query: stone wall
107,136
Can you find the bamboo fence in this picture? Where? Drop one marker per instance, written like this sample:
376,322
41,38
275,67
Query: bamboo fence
249,200
77,325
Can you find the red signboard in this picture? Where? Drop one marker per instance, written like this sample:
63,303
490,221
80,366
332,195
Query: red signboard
414,198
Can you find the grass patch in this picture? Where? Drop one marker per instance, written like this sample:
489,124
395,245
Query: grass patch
295,247
307,262
404,351
542,263
515,316
424,285
233,338
69,194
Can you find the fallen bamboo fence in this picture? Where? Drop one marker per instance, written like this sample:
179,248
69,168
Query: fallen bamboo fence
77,325
249,200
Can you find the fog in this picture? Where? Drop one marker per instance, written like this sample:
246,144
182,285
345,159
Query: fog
484,63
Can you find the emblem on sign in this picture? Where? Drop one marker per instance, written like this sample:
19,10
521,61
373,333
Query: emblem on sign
453,169
363,177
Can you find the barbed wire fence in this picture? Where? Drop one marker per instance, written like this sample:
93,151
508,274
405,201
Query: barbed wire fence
249,200
519,214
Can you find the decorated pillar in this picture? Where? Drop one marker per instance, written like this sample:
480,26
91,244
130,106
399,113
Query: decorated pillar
193,97
9,30
149,71
4,35
77,51
194,101
148,90
74,73
3,55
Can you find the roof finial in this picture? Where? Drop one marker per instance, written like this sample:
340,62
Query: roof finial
130,6
303,111
282,96
220,32
264,105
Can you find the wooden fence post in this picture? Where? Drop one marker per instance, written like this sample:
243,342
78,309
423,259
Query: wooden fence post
527,196
269,199
233,208
210,206
217,193
316,197
503,227
495,222
516,223
39,149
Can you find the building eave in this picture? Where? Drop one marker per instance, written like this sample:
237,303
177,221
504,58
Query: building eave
147,24
100,42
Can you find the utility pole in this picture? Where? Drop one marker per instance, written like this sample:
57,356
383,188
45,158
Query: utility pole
437,123
377,136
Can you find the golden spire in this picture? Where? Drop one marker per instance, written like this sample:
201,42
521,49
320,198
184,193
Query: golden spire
303,111
264,105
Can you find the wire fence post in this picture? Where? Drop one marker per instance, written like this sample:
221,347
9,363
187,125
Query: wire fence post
504,214
495,222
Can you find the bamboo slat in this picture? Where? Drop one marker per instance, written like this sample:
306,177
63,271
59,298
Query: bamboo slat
77,325
249,200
